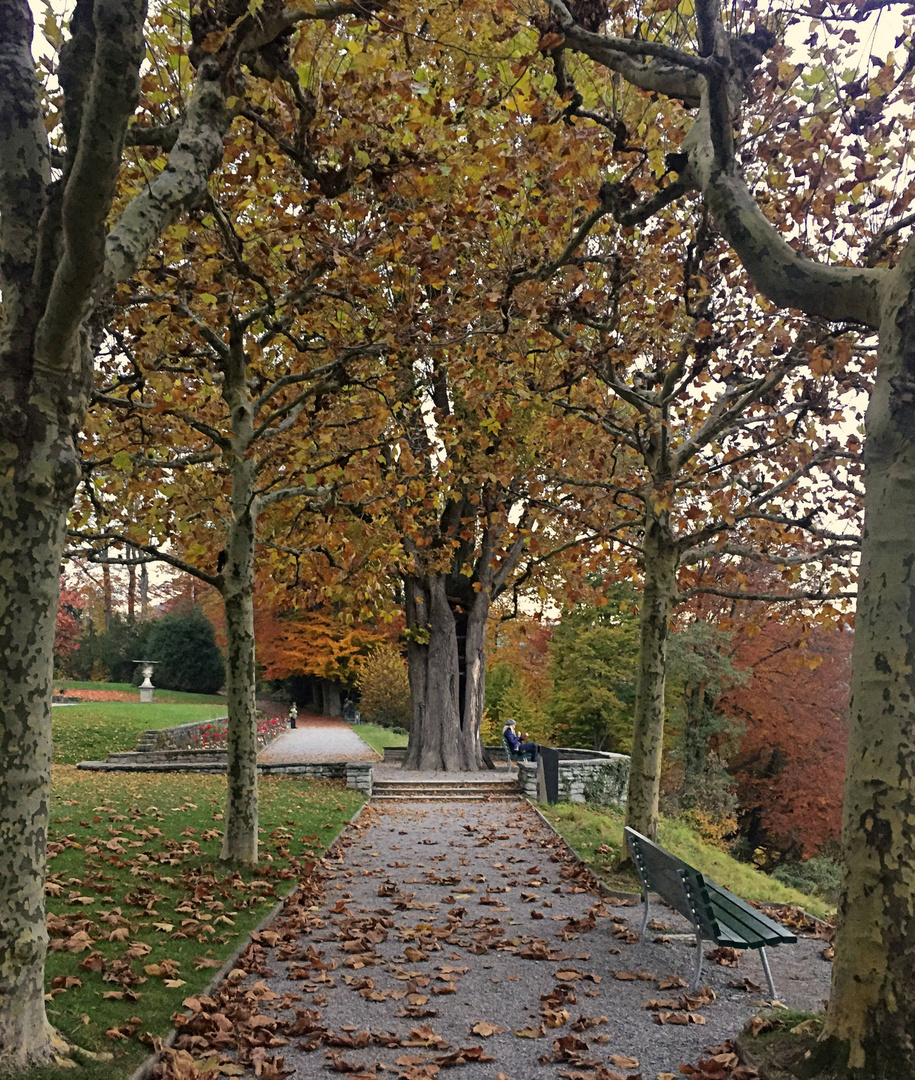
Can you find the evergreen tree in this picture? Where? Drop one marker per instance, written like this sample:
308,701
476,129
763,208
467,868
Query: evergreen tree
184,646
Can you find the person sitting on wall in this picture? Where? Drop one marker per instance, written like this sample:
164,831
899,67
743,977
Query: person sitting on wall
516,743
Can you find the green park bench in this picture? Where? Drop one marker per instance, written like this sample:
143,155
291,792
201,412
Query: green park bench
716,914
511,755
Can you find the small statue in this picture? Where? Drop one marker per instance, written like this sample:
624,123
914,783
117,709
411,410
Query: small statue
293,713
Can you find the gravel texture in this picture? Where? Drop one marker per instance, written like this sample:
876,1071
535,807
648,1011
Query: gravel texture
459,914
319,739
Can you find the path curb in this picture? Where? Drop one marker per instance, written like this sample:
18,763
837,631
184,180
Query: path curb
144,1070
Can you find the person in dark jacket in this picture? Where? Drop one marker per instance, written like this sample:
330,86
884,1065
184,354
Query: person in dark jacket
516,744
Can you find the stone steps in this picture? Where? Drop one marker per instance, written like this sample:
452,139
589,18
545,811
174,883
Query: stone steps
443,790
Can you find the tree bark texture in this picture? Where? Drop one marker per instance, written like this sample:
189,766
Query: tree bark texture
660,561
871,1015
447,673
239,843
33,503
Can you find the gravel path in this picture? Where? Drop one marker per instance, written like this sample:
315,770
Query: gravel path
437,918
317,739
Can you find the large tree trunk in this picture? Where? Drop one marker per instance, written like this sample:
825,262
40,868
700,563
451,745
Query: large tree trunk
871,1016
33,506
331,704
660,560
445,657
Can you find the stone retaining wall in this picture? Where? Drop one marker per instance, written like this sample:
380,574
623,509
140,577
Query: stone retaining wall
183,736
201,735
358,774
598,778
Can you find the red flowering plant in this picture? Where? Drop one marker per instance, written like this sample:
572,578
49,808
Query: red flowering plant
269,727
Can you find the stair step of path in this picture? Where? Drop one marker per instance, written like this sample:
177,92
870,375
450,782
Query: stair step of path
392,782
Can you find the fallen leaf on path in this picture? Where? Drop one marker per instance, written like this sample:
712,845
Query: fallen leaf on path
724,955
529,1032
485,1028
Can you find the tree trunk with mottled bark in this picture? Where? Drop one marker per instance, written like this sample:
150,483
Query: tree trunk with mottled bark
660,559
871,1017
239,842
34,498
447,674
52,251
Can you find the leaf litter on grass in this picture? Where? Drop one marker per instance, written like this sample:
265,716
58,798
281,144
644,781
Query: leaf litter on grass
139,910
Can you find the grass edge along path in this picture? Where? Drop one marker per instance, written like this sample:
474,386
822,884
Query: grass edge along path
139,911
596,835
379,737
146,1068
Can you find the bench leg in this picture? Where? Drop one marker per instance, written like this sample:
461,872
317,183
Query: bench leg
765,963
697,971
644,913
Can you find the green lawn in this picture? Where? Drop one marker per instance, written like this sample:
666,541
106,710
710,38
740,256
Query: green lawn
140,912
165,697
93,729
379,737
596,833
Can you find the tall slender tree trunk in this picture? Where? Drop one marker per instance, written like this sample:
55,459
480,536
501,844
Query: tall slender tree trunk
106,594
131,591
660,561
446,676
144,592
871,1016
474,682
239,845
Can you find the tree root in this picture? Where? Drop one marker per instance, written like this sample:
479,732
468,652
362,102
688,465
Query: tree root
68,1055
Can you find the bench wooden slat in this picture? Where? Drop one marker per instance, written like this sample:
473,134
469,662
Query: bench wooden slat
732,911
722,916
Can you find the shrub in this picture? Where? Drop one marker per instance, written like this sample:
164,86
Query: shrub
384,688
184,644
819,876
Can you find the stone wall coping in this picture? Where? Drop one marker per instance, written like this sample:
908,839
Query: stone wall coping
189,724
